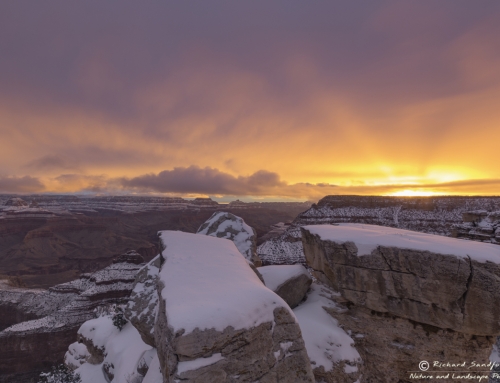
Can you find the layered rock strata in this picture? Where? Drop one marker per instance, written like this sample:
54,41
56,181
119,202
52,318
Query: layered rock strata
409,296
433,215
479,225
218,323
46,321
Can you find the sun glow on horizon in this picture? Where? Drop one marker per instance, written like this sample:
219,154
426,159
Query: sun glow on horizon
414,193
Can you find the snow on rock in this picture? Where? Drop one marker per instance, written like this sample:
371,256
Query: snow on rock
212,303
154,374
76,355
218,288
94,334
234,228
330,349
198,363
290,282
276,275
368,237
443,282
142,307
433,215
122,356
91,373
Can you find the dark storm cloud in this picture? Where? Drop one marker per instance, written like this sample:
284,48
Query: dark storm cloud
98,55
206,181
26,184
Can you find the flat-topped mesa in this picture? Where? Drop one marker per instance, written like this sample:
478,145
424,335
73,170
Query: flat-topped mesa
226,225
217,322
444,282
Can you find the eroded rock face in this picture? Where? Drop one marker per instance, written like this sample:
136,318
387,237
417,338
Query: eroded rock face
404,305
229,332
290,282
391,346
142,307
234,228
441,290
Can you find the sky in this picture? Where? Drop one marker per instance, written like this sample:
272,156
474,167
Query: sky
257,100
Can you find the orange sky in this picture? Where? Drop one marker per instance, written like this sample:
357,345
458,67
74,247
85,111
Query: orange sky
263,101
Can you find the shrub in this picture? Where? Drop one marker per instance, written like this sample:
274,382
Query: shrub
119,319
59,374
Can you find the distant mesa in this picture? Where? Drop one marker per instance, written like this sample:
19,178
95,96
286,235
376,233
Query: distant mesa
204,201
16,202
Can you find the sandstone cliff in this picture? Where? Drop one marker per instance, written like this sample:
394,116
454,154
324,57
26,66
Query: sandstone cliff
408,296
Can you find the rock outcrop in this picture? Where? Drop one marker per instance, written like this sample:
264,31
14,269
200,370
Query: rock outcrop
433,215
142,307
229,226
479,225
218,323
38,325
290,282
407,294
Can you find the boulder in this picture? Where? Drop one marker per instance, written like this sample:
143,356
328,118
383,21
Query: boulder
217,322
443,282
290,282
142,307
405,296
234,228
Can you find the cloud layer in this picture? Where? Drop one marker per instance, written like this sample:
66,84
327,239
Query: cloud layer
24,184
199,98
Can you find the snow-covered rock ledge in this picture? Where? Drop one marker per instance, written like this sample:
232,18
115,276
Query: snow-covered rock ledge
408,296
444,282
217,322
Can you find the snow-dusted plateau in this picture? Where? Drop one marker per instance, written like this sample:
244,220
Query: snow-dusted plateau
354,289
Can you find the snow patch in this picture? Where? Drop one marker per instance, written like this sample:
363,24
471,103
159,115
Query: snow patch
326,342
198,363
